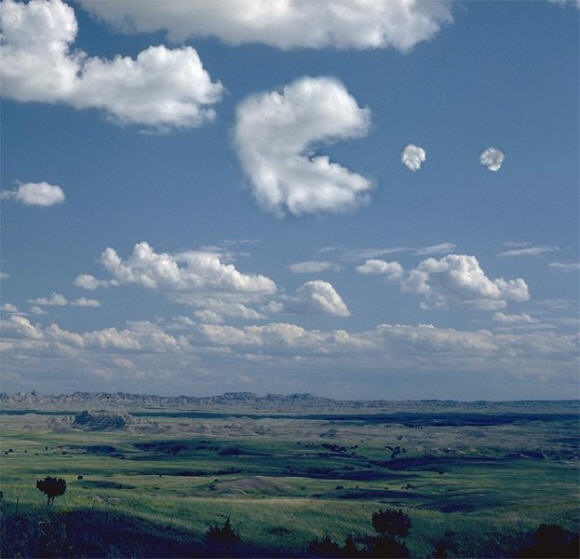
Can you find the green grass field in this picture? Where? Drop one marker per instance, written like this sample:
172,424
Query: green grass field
491,486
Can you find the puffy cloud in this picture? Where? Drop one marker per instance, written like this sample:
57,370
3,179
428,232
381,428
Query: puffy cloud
313,267
86,281
275,135
185,271
358,24
393,270
9,308
565,266
35,309
54,300
492,158
317,297
459,279
522,318
35,194
84,302
208,316
160,88
413,157
274,350
58,300
567,3
196,278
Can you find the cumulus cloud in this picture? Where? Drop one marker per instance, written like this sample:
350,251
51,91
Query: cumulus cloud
84,302
197,278
9,308
201,351
86,281
522,318
565,266
413,157
35,309
393,270
160,88
358,24
54,300
35,194
58,300
459,279
275,135
208,316
184,271
317,297
492,158
313,267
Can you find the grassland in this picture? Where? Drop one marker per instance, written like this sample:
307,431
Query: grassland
483,481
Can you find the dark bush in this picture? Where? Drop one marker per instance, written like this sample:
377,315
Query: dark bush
51,487
551,540
324,547
391,522
222,535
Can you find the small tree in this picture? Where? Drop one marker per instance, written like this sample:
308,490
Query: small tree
391,522
51,487
222,535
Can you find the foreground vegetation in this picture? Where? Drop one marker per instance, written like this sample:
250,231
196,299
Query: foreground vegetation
288,484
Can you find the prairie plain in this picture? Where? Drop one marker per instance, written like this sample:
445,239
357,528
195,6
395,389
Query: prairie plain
475,480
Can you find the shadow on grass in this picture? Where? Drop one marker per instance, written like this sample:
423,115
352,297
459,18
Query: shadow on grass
90,533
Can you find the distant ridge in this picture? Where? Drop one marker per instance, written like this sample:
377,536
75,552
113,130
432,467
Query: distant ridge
269,402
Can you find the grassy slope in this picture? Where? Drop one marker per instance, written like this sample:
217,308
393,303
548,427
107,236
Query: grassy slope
305,490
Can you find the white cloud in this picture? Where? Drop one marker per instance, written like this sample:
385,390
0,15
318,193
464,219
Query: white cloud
530,251
54,300
9,308
84,302
441,248
35,309
197,278
522,318
4,276
275,135
35,194
458,279
317,297
492,158
185,271
212,351
567,3
313,267
160,88
86,281
393,270
565,266
413,157
358,24
207,316
58,300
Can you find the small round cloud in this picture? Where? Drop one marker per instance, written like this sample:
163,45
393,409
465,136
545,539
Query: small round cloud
492,158
413,157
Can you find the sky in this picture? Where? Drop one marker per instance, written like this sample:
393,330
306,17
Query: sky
355,199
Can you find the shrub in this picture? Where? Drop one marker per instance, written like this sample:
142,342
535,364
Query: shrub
391,522
222,535
51,487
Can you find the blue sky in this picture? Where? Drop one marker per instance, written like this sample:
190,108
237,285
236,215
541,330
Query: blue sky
195,202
